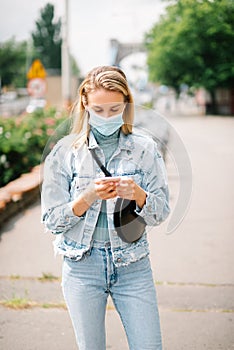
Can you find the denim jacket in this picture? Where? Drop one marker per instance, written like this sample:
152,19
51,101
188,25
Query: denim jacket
69,170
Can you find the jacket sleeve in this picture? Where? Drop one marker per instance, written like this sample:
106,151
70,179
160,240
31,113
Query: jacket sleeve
155,184
57,214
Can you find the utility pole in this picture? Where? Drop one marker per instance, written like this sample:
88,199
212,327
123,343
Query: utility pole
66,69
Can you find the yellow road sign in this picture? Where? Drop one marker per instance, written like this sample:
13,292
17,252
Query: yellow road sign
36,70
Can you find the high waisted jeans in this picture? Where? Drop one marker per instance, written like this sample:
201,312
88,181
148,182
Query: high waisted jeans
86,286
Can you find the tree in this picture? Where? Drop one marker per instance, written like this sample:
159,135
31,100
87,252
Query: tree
47,39
13,63
193,44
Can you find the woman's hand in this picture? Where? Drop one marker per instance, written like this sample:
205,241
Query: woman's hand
128,189
105,189
97,190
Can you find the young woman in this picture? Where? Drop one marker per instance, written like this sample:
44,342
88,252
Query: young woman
78,205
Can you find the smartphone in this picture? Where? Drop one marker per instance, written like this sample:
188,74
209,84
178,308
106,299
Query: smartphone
109,178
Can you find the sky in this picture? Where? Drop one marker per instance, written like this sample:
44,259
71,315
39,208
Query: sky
92,23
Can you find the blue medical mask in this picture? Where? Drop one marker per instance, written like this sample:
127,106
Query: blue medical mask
106,126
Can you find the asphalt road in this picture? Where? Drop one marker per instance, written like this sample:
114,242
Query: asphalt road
14,107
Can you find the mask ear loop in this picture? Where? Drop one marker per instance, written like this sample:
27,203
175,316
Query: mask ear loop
87,116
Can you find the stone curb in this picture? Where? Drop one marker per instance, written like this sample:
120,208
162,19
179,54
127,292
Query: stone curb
20,193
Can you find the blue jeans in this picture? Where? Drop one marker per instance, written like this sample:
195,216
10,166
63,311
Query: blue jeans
86,286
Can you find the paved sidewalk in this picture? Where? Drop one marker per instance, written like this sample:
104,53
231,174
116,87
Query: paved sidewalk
193,267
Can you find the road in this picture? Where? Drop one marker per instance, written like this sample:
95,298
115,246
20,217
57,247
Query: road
15,107
192,266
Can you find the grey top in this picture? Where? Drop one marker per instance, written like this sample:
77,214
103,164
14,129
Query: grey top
108,144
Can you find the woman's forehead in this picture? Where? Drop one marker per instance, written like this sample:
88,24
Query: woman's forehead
104,97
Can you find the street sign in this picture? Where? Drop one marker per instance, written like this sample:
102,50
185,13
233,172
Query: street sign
37,87
36,70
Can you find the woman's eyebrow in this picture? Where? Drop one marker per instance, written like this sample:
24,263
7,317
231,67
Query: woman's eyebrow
97,106
111,106
117,105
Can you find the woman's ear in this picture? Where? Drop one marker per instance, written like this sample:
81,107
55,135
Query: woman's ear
86,107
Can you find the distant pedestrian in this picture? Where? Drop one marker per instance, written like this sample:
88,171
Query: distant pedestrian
78,205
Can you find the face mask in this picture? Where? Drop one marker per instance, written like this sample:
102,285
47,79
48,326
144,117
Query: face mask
106,126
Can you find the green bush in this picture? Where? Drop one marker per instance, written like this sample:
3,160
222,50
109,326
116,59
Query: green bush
23,140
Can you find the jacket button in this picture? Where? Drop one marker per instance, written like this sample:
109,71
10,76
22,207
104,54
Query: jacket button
119,260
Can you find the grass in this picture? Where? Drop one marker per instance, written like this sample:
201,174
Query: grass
18,303
48,277
53,306
15,277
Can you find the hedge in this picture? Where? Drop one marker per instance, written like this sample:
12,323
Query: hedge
23,141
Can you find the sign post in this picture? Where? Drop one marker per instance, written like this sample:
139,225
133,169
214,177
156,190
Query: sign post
36,80
66,69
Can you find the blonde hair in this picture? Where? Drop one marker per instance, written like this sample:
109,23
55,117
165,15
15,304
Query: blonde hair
110,78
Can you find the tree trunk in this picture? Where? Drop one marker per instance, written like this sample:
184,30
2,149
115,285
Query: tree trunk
211,106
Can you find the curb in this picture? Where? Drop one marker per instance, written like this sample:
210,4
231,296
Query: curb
18,194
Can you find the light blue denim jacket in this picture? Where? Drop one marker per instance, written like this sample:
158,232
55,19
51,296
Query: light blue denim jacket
69,170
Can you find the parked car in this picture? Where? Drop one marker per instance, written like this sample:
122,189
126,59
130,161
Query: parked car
8,96
35,104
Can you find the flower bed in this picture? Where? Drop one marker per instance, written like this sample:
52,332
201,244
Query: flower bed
24,143
23,140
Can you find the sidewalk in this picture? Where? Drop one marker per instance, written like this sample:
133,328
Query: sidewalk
193,267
